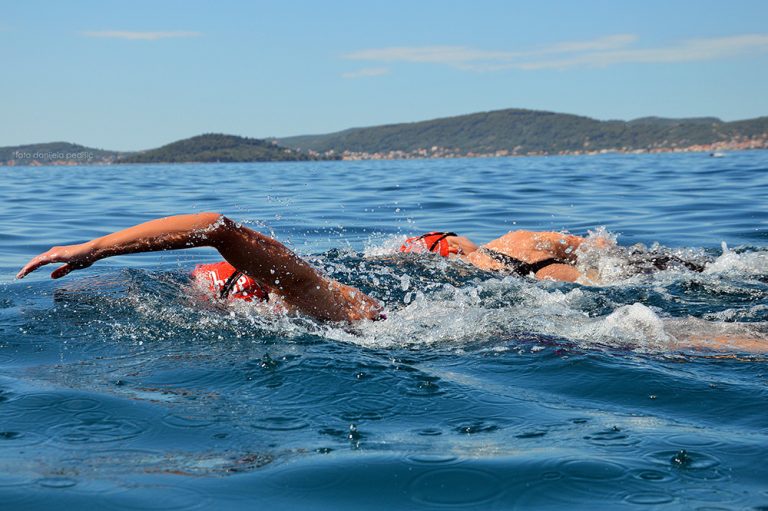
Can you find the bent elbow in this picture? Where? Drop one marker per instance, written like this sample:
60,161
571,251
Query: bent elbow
211,218
214,225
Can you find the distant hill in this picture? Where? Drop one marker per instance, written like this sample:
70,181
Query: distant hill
55,153
214,147
517,131
209,147
500,133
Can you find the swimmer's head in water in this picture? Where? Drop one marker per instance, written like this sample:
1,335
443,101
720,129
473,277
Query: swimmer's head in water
436,242
226,282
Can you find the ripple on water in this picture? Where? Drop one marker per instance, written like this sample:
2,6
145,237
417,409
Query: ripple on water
302,392
365,407
613,436
77,404
111,429
186,422
691,464
473,427
431,459
427,386
689,440
56,482
533,433
37,401
654,475
649,498
13,439
592,469
9,480
573,482
708,495
455,486
429,432
280,423
685,460
149,497
91,416
307,478
40,407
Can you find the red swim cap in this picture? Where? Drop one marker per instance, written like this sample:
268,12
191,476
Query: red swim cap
227,282
430,242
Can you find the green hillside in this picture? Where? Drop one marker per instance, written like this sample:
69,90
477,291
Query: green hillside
217,148
512,131
527,131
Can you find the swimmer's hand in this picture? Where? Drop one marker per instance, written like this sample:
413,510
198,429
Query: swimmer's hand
76,257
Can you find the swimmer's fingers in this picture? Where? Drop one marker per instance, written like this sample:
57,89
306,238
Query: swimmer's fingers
66,268
67,255
71,265
35,263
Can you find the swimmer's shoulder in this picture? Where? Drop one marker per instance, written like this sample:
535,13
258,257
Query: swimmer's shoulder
512,235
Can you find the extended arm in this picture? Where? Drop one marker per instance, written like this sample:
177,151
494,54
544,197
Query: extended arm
259,256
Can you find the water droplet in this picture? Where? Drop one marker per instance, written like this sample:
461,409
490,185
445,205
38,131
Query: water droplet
681,459
267,362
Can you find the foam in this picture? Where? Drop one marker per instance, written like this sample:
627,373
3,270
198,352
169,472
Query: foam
383,247
730,262
436,302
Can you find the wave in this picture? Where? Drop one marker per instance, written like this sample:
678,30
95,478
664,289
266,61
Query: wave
439,303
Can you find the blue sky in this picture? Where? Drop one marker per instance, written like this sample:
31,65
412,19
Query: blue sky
139,74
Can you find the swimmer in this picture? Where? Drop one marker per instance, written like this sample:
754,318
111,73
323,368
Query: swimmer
275,269
545,255
256,266
263,259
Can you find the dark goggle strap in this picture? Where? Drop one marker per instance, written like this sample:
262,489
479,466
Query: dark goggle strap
443,235
229,284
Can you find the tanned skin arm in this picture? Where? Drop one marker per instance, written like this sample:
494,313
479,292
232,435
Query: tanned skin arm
259,256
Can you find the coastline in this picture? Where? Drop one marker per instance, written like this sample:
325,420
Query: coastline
423,154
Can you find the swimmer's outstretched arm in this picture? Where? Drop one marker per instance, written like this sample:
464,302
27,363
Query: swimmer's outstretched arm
259,256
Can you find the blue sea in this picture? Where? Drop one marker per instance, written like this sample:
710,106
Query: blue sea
122,387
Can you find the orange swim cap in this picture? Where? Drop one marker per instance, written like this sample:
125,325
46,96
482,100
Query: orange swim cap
431,242
227,282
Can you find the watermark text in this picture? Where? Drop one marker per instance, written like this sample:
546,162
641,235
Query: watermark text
52,155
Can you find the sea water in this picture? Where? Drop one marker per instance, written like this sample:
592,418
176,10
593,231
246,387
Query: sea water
123,387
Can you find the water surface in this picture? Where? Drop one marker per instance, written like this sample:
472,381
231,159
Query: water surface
123,388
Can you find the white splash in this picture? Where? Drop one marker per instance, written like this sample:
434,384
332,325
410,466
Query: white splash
750,263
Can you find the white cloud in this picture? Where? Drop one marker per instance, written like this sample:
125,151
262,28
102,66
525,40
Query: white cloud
140,36
600,52
436,54
610,42
463,56
687,51
366,72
